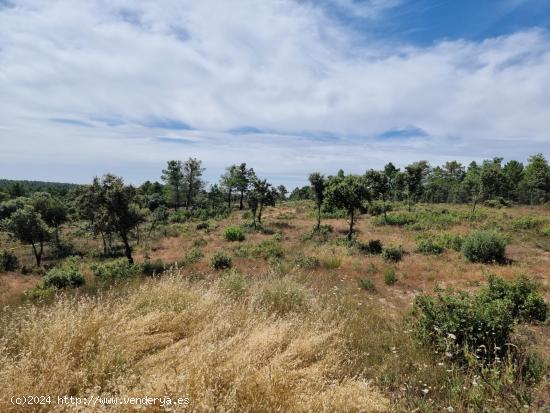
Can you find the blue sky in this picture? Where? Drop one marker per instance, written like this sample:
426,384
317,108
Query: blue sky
288,86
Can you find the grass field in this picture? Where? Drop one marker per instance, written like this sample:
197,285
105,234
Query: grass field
301,321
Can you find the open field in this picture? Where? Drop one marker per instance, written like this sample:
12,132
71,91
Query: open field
300,322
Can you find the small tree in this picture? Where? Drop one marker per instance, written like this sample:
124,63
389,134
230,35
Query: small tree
51,209
173,177
28,227
244,178
347,192
413,178
379,185
281,192
229,181
318,184
472,185
192,173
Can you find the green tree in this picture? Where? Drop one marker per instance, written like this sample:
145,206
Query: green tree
318,184
472,184
537,179
51,209
347,192
244,178
174,179
513,170
27,226
261,195
192,180
281,192
229,182
379,186
413,177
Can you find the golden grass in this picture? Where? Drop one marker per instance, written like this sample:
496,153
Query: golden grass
196,340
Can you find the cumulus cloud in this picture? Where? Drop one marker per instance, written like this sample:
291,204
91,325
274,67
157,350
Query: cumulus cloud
97,85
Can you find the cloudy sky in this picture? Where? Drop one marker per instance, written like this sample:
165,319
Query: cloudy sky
288,86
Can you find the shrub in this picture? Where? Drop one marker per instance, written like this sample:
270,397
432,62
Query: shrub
200,242
331,263
525,222
377,208
278,236
220,261
234,284
40,293
451,241
400,219
153,267
485,247
374,246
460,325
307,262
283,296
429,246
546,231
366,284
8,261
68,275
234,234
115,270
193,255
390,277
392,253
268,249
202,225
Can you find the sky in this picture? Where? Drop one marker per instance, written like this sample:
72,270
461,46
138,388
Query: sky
287,86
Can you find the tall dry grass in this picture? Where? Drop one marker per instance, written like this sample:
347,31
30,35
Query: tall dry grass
230,345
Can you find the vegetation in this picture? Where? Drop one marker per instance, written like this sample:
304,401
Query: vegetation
312,305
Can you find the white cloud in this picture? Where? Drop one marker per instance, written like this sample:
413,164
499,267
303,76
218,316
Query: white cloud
83,82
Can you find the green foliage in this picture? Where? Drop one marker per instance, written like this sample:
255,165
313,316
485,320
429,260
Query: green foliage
267,249
193,255
373,246
451,241
392,253
155,267
366,284
546,231
497,203
40,294
526,222
68,275
234,234
282,296
484,247
429,246
306,262
202,225
390,277
331,262
399,219
460,325
220,261
8,261
115,270
234,284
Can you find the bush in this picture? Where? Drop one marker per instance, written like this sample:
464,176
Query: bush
429,246
40,293
390,277
546,231
485,247
366,284
115,270
8,261
374,246
234,234
283,296
460,325
153,267
377,208
400,219
498,203
220,261
66,276
307,262
268,249
331,263
525,222
193,255
202,225
451,241
392,254
234,284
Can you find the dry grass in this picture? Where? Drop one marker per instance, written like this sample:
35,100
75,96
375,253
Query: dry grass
173,337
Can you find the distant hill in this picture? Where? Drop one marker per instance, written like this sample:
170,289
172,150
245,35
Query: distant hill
23,188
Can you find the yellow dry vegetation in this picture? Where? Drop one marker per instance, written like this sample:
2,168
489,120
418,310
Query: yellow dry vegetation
226,352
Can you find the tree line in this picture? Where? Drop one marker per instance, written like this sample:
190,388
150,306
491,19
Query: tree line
110,209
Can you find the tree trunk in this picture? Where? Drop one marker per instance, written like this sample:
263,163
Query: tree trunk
260,214
37,254
241,200
474,207
352,217
384,208
127,249
409,201
318,217
229,199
